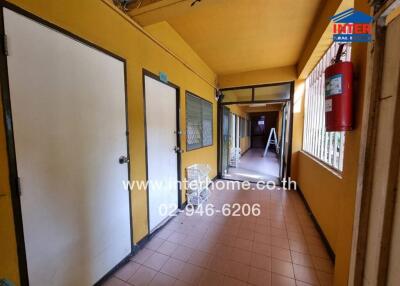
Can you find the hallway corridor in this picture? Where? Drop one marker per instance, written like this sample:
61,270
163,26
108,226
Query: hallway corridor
253,167
279,247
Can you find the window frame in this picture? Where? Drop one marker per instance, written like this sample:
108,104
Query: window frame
202,100
327,148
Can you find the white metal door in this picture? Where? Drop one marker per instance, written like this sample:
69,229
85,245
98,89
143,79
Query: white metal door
68,106
161,157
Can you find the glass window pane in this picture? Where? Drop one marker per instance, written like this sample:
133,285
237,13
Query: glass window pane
199,122
193,122
274,92
237,95
207,123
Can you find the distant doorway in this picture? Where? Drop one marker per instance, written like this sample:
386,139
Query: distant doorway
261,125
244,128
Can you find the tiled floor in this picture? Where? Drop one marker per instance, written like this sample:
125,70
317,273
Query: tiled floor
279,247
253,167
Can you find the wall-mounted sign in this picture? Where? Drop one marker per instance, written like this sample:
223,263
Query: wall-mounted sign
163,77
333,85
352,26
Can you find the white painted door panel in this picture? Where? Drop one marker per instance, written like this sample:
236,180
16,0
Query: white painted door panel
68,108
161,157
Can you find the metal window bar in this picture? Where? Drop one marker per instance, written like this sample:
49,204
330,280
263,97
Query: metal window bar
327,147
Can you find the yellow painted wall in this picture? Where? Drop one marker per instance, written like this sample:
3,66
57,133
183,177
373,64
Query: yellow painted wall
298,122
266,108
238,110
273,75
330,196
96,22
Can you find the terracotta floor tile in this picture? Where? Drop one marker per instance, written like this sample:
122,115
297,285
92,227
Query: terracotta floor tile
314,240
279,232
164,233
262,248
167,248
318,251
295,236
207,246
280,242
259,277
226,239
182,283
211,278
156,261
142,277
237,270
142,255
229,281
282,268
190,241
281,253
162,280
200,258
249,235
293,227
191,273
261,261
323,264
154,243
325,279
298,246
218,250
182,253
217,264
301,283
243,243
302,259
305,274
262,237
172,267
262,229
176,237
114,282
222,250
279,280
240,255
127,271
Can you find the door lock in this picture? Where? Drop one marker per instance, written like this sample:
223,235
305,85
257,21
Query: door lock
178,150
123,159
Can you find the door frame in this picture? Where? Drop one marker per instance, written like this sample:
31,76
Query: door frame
367,154
224,108
282,141
220,110
9,132
178,131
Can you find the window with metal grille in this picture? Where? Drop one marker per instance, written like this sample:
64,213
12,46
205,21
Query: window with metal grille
199,122
327,147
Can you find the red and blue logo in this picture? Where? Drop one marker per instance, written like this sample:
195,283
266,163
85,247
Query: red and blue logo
352,26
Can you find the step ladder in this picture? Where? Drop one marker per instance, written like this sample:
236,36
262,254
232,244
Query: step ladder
272,140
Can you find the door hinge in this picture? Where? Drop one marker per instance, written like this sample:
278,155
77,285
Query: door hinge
19,186
5,45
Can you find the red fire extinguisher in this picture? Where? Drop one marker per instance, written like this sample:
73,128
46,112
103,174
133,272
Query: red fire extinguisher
339,95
